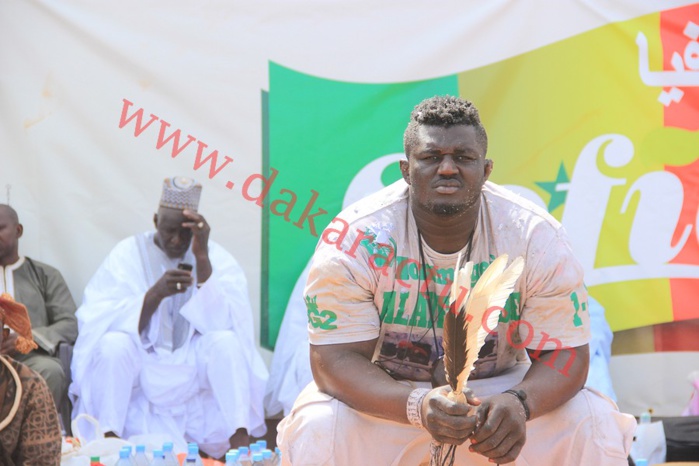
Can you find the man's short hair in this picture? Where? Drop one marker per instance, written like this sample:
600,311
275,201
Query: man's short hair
444,111
12,212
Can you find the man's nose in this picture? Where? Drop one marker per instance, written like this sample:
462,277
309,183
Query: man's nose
448,166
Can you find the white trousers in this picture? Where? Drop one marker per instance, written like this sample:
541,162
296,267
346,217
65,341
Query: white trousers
588,430
204,399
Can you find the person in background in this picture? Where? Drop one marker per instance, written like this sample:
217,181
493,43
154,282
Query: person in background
51,308
30,433
166,340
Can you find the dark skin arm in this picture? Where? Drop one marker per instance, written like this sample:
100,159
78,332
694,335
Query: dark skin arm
551,381
200,243
345,371
166,286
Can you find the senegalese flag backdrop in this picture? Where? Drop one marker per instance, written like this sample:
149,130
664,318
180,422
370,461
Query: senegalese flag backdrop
602,129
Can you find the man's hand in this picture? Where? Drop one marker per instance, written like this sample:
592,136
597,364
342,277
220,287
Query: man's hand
446,420
8,344
200,232
172,282
501,431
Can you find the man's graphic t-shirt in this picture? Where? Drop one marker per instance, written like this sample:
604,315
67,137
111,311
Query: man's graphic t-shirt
368,281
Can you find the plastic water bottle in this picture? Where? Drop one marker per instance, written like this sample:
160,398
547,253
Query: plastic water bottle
140,459
193,453
267,457
245,459
124,458
257,459
158,458
170,458
232,458
255,448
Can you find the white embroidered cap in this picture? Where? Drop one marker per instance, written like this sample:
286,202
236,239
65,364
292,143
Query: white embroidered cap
180,192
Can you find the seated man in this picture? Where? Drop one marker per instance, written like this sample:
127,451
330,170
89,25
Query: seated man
43,291
29,430
166,340
377,294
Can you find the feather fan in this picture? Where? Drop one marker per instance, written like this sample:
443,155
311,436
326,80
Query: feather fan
455,324
472,315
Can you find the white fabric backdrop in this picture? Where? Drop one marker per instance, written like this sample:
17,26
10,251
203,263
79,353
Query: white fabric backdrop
80,183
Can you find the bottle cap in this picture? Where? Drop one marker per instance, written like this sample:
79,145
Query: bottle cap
168,446
140,448
257,457
124,453
644,418
262,443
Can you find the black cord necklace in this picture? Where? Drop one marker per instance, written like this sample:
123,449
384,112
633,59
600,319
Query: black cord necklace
469,246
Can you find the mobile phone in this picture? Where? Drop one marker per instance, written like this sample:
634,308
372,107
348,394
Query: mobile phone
185,266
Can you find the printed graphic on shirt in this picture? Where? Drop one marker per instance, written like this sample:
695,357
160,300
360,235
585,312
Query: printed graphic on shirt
324,319
411,337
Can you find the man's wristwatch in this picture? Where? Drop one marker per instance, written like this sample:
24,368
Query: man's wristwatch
522,397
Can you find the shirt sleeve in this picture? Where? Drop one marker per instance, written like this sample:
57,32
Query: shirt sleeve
60,309
554,314
339,296
40,435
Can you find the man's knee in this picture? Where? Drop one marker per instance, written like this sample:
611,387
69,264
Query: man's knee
220,342
308,426
52,372
116,347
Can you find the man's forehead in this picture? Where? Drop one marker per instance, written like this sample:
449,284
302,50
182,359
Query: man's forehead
437,136
169,215
6,215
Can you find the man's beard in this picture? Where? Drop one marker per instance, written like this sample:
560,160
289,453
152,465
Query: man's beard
446,210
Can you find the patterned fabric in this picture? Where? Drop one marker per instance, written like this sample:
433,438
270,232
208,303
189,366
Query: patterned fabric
33,435
15,316
180,192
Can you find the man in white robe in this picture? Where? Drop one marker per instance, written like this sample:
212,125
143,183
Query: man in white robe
165,350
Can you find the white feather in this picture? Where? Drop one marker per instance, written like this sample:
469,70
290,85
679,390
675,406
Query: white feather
488,295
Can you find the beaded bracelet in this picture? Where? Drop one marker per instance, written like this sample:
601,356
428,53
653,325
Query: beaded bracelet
414,406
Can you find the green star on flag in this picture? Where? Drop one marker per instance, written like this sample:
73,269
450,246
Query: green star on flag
558,189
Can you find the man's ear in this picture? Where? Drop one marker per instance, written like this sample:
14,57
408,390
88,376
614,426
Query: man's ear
155,220
405,170
20,230
488,168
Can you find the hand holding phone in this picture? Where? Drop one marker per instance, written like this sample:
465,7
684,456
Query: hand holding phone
185,266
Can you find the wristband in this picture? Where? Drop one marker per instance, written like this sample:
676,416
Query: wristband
414,406
522,397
